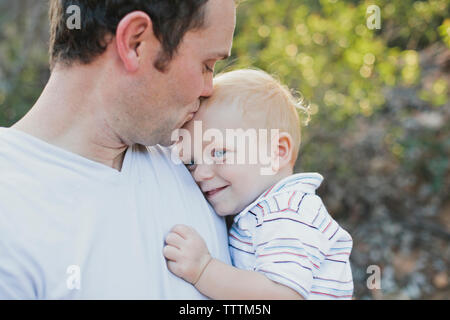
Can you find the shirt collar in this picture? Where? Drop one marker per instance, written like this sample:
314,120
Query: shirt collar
303,182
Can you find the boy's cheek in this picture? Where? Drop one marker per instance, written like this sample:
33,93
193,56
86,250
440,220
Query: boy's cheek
223,208
223,212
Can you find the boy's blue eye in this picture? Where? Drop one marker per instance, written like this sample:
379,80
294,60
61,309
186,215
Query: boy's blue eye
219,153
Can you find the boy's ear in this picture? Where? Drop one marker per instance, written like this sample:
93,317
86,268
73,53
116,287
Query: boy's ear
134,32
283,150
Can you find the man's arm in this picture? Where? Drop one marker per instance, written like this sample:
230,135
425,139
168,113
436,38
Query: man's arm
188,258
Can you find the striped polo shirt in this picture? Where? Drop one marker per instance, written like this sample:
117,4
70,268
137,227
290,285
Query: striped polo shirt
288,235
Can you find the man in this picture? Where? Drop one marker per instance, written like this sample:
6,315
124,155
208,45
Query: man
84,207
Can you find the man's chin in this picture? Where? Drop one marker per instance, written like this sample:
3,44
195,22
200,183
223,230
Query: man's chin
153,141
166,139
167,143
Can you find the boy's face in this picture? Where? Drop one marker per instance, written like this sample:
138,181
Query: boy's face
230,181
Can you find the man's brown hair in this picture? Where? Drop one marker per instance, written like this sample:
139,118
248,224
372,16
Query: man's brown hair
99,19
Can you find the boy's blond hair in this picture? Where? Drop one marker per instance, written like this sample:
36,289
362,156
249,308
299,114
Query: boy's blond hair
256,91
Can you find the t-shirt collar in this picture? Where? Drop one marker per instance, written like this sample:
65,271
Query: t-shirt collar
306,182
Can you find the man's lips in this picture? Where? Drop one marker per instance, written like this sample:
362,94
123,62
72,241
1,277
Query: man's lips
212,192
191,115
197,107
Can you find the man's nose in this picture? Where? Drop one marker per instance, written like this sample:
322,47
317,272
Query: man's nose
203,172
208,86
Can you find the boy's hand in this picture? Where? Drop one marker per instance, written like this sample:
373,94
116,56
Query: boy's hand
186,253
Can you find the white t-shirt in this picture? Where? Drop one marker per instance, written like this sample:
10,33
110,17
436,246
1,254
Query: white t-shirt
288,235
72,228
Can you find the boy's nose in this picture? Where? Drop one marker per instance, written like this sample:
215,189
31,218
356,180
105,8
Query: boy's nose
203,172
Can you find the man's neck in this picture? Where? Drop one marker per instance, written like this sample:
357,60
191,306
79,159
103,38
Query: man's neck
70,114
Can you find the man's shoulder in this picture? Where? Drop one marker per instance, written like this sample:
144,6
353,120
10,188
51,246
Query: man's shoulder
5,143
15,160
12,151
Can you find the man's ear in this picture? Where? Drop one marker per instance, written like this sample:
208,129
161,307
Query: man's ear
132,32
283,149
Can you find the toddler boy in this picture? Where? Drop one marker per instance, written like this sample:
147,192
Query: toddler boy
283,243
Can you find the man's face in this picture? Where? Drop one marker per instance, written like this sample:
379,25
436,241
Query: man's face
164,101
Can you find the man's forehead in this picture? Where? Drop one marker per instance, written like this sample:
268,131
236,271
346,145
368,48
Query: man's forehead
219,11
220,17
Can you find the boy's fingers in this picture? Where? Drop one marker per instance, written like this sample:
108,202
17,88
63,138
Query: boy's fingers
173,267
170,253
181,230
174,239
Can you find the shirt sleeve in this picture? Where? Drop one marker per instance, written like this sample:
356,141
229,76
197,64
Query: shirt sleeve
289,245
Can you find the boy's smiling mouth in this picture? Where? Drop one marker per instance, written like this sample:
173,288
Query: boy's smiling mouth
210,193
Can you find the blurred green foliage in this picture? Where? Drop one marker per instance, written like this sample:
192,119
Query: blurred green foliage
380,126
23,56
